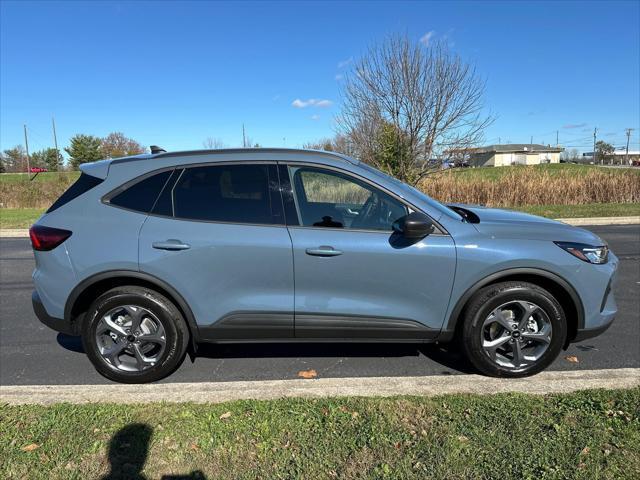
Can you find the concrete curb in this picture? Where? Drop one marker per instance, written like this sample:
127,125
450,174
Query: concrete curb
217,392
632,220
14,233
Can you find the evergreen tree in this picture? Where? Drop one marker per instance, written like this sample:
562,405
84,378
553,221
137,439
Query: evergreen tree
84,148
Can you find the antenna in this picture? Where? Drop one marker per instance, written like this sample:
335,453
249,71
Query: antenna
156,149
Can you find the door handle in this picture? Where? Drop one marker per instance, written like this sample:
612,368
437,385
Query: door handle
323,251
171,244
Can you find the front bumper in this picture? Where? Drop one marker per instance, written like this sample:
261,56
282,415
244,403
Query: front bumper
57,324
587,333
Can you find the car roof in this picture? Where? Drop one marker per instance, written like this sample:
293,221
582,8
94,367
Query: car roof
226,154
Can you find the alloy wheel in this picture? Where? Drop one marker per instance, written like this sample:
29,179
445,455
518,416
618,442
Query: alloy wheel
130,338
516,334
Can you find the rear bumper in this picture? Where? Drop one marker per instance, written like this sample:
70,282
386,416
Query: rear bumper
57,324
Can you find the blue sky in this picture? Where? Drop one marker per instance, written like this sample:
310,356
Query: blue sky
175,73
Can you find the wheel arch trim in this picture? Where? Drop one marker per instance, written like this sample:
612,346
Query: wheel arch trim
452,321
137,275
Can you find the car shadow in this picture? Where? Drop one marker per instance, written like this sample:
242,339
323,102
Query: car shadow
70,342
446,355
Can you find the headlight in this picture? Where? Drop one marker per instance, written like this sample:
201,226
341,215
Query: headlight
586,253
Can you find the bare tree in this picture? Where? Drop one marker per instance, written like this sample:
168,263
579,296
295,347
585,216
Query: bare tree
339,143
213,143
116,145
429,96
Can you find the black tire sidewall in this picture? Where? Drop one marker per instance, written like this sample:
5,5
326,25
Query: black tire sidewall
492,297
162,308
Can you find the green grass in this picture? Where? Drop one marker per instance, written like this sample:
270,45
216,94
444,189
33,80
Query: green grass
590,434
19,217
494,173
582,211
41,177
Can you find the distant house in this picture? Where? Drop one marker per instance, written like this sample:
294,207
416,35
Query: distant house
513,154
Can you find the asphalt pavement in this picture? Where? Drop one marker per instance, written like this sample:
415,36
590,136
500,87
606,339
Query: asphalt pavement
32,354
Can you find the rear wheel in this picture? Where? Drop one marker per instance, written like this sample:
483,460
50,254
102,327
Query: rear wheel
134,335
513,329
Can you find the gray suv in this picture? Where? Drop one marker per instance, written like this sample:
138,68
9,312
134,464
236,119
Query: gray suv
148,256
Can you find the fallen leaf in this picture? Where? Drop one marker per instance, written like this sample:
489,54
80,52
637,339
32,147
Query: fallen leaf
30,447
572,359
585,450
307,374
462,438
354,414
193,446
225,415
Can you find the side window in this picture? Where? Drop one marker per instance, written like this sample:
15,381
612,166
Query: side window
227,193
142,195
326,198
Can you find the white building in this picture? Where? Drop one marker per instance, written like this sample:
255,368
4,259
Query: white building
514,154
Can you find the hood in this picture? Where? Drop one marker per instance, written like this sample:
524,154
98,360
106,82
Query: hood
499,223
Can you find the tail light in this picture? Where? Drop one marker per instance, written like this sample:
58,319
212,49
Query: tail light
44,238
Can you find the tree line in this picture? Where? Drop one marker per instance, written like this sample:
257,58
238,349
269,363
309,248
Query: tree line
82,148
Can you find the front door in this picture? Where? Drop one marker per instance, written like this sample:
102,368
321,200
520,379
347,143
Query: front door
217,235
354,278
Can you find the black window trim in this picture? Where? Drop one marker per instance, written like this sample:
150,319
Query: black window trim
441,231
105,199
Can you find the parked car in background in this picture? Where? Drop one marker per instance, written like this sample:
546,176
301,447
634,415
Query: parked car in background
148,256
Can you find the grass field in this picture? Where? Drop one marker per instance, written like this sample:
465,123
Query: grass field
589,434
19,217
41,177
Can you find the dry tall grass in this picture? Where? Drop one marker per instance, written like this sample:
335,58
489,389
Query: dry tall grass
535,187
36,194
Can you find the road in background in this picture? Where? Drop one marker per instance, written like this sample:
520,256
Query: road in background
32,354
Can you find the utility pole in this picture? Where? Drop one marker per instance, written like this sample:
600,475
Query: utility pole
595,132
55,139
244,138
557,142
499,138
626,156
26,146
531,140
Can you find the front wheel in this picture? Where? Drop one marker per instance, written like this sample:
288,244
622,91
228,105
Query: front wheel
134,335
513,329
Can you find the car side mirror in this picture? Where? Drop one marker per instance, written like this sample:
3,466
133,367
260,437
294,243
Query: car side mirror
416,225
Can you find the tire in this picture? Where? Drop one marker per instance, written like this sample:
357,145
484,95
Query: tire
155,353
490,319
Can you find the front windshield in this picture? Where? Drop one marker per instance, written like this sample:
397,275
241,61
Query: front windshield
408,188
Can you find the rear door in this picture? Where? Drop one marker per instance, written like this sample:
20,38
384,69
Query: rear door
217,235
354,277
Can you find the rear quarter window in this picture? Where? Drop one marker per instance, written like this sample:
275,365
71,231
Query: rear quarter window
141,195
82,185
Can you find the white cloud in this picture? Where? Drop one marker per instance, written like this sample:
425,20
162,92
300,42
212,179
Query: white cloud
426,38
312,102
315,117
339,76
344,63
